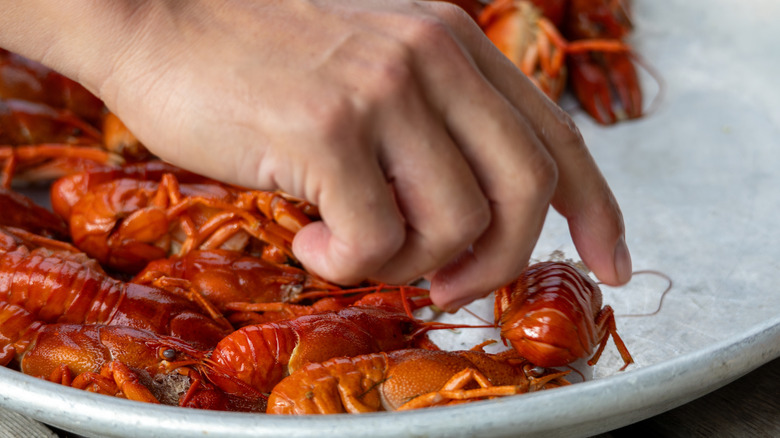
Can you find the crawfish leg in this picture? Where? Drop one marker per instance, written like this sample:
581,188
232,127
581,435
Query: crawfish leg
94,382
607,85
62,375
453,391
625,82
605,323
115,379
354,398
127,381
184,287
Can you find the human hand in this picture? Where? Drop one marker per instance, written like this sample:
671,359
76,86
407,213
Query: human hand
427,152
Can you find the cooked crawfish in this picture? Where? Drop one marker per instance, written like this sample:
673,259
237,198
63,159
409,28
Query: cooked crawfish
406,379
113,360
30,81
19,211
21,78
233,281
534,44
250,361
24,122
56,283
125,223
606,84
67,191
553,315
51,126
40,143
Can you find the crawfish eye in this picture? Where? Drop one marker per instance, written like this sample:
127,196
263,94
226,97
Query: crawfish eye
168,354
407,327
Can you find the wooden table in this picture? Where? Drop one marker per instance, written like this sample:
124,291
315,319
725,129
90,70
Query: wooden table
747,407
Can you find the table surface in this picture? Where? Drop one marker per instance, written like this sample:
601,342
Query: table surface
749,406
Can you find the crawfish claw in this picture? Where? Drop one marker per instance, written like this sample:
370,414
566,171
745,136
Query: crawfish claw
606,85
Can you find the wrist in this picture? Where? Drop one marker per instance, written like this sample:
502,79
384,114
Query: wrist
82,39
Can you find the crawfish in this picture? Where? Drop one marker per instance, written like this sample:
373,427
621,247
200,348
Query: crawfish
51,126
534,44
38,142
56,283
553,315
22,78
406,379
251,360
126,222
21,212
66,191
233,280
606,84
113,360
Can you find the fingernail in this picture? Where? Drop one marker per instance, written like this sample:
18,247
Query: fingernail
623,267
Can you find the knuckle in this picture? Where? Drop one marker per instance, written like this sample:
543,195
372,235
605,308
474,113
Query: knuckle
363,255
329,117
391,72
450,13
426,28
546,172
538,182
564,131
468,226
453,234
570,133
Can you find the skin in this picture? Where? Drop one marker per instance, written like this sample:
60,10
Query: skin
426,150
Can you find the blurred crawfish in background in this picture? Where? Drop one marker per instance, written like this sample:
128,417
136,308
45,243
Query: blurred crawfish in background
51,126
576,41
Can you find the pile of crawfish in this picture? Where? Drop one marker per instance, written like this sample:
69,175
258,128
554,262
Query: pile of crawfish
152,283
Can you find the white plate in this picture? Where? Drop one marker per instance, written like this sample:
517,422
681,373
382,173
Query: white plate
699,184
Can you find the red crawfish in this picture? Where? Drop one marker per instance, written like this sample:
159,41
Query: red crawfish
19,211
233,280
250,361
113,360
25,80
109,360
606,84
22,78
535,45
40,143
127,222
553,315
66,191
58,284
406,379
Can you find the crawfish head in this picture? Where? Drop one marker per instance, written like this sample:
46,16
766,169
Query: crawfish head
87,347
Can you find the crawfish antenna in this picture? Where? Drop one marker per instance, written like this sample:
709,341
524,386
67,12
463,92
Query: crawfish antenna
656,75
663,294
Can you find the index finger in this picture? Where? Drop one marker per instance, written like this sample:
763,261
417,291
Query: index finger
582,195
